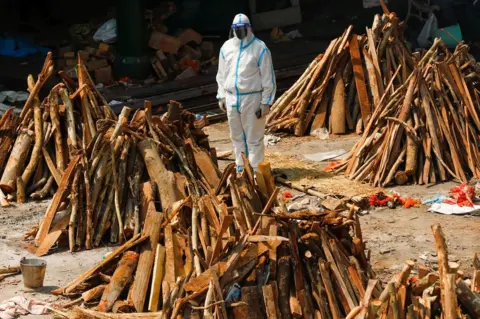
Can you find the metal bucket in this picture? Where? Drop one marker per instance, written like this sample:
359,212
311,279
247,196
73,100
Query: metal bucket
33,271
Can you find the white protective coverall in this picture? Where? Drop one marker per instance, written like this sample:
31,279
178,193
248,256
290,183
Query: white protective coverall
246,80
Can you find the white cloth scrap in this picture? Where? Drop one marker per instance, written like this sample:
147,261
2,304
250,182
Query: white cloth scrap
21,306
448,209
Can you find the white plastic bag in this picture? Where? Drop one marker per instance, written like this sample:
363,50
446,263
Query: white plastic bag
428,29
107,33
321,133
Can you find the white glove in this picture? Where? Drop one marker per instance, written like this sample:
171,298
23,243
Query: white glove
264,109
222,105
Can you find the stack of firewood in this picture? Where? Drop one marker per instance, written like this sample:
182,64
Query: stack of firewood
284,265
426,130
234,252
73,146
341,87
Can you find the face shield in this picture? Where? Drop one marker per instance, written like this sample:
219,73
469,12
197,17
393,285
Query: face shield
239,30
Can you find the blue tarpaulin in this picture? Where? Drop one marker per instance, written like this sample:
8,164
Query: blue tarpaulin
19,47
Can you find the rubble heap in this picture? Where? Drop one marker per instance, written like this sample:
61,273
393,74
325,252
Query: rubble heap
342,87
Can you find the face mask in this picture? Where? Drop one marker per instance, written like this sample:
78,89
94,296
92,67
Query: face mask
240,32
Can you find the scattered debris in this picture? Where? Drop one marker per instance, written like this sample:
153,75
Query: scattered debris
392,200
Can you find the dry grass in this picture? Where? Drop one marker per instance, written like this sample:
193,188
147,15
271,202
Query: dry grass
309,173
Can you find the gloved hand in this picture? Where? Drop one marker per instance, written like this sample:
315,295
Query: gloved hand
263,111
222,105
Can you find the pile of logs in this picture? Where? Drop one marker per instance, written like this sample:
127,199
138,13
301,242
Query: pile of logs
234,252
342,87
426,130
280,265
96,164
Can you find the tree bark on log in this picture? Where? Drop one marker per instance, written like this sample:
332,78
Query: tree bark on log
37,147
468,299
337,117
59,156
122,275
16,161
20,191
163,178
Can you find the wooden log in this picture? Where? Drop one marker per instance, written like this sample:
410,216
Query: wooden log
104,222
359,76
327,283
270,297
147,251
207,166
304,99
448,302
94,293
157,278
89,208
337,116
265,169
56,201
135,240
88,125
450,295
56,174
468,299
8,125
37,147
295,307
251,298
373,309
424,283
321,115
394,306
46,72
72,133
54,115
16,162
121,276
53,236
20,191
9,270
122,121
159,175
283,278
476,274
411,157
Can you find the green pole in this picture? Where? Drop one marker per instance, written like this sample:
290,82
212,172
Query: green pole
133,58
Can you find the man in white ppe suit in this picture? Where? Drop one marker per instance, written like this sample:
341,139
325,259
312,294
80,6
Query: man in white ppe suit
246,90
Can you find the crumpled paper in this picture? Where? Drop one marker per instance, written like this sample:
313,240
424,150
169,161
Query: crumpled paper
21,306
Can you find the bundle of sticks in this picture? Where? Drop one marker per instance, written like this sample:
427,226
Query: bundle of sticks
341,88
234,252
426,130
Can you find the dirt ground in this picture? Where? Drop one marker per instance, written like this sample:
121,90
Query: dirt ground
392,235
